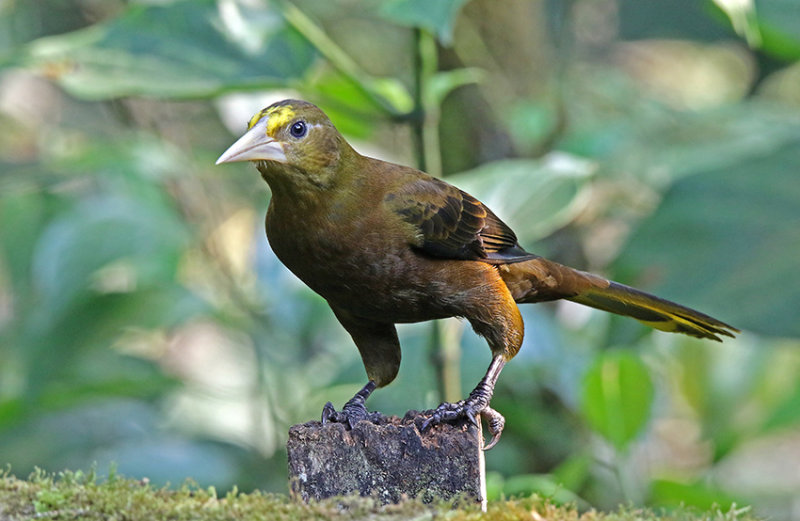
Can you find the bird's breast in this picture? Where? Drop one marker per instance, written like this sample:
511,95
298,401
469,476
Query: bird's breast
366,268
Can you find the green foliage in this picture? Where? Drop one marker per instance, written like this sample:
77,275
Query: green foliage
184,49
437,17
617,397
771,25
747,216
554,194
144,321
697,494
523,485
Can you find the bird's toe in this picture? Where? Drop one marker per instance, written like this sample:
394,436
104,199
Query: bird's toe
470,409
495,422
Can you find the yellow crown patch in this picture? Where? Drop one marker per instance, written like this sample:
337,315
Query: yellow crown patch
278,116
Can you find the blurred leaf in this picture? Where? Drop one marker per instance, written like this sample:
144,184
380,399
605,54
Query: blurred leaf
617,396
64,351
770,25
387,93
678,19
494,486
438,17
105,373
743,18
718,382
695,379
27,211
528,484
68,438
534,196
573,472
354,113
531,123
787,413
715,139
699,494
393,91
21,22
444,82
100,231
779,24
11,410
170,458
635,135
728,241
179,50
117,433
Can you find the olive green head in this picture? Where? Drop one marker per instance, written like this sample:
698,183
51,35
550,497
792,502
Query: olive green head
290,137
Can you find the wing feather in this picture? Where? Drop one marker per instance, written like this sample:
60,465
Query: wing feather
453,224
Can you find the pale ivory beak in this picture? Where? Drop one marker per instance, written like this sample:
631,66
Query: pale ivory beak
254,145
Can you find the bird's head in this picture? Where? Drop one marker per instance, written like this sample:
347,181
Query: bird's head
290,138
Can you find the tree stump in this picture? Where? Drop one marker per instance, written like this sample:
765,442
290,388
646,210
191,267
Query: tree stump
389,460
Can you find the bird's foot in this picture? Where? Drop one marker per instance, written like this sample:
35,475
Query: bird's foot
350,414
353,411
476,404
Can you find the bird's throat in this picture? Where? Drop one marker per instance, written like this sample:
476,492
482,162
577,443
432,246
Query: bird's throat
294,186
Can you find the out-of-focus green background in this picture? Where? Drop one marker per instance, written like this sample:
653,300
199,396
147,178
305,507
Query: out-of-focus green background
146,326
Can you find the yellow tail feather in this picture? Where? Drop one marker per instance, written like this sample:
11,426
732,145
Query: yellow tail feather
539,279
653,311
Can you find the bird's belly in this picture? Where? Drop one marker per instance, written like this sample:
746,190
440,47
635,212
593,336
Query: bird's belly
387,285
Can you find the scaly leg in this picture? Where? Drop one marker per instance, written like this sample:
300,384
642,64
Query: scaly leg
477,403
354,410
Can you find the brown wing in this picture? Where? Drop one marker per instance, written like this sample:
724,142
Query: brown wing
452,224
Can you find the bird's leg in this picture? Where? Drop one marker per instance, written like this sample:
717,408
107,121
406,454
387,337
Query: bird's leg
354,410
477,403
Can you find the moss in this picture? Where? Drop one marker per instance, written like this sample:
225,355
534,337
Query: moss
76,495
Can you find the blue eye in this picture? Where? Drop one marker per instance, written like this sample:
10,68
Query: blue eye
298,129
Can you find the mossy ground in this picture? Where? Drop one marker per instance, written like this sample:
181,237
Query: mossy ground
75,495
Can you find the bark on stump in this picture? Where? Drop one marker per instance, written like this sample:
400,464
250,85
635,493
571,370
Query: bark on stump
389,460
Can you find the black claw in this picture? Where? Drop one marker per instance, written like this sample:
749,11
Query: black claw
495,423
426,424
492,442
328,413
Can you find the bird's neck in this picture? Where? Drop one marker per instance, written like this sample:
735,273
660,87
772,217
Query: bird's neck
309,188
294,187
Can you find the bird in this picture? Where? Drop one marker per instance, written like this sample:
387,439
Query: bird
386,244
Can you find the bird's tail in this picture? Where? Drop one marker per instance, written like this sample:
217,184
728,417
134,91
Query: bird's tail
539,279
